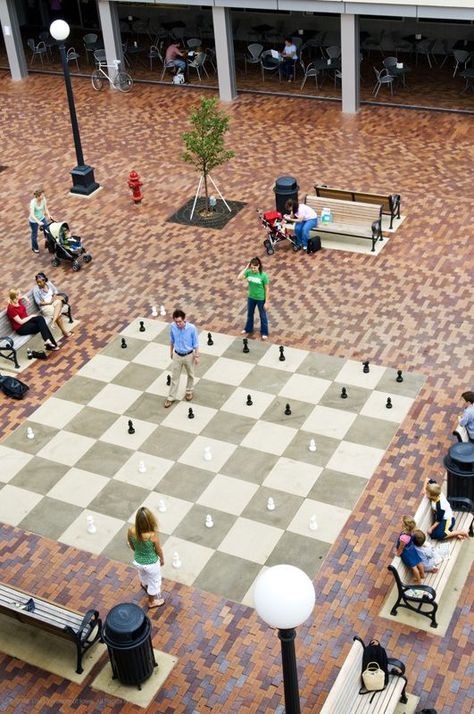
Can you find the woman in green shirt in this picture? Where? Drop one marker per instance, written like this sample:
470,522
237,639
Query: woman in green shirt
144,541
258,295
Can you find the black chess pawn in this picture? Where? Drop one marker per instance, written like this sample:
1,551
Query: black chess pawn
210,341
389,404
246,345
343,393
249,400
287,410
123,344
366,368
168,380
142,326
131,430
29,354
399,376
190,413
282,357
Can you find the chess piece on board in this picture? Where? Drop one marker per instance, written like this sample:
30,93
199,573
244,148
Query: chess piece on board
399,376
207,453
176,561
168,380
91,525
246,346
30,434
313,523
366,368
162,507
270,504
190,413
131,429
282,357
343,393
210,341
288,410
123,344
249,400
312,445
162,310
154,311
389,404
141,467
209,521
142,326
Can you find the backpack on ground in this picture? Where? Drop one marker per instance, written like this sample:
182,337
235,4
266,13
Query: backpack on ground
12,387
374,668
314,244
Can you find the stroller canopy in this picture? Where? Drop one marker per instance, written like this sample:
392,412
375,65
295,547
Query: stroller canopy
58,230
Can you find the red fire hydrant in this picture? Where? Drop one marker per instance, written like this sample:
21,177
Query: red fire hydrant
134,183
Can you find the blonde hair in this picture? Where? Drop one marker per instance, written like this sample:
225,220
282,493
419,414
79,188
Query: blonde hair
409,523
13,294
145,522
433,490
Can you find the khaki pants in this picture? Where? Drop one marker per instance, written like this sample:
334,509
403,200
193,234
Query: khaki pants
180,363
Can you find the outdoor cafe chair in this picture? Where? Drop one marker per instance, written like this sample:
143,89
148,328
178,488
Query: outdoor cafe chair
425,47
269,64
38,50
460,57
309,71
252,56
73,56
383,78
90,44
198,64
154,53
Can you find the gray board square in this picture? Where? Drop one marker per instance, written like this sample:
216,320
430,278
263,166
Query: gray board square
167,443
298,449
227,576
80,389
114,349
257,350
18,440
337,489
50,517
275,413
185,482
228,427
356,397
91,422
371,432
136,376
205,362
411,385
249,465
193,528
212,394
266,379
297,550
322,366
104,459
118,499
148,407
39,475
286,506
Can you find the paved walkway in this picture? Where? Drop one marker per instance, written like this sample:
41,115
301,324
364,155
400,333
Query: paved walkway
410,308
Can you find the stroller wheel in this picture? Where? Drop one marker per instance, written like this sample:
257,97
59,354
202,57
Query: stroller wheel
87,257
76,266
55,262
268,247
296,247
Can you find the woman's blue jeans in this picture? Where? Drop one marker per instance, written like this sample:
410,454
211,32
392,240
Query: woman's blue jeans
251,305
34,232
302,231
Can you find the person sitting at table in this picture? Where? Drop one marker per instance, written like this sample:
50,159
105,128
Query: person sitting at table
288,55
175,56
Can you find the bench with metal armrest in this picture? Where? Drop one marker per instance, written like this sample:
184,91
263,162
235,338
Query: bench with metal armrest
390,202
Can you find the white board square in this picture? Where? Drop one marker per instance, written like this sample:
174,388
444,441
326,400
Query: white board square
102,367
114,398
304,388
267,437
355,459
154,355
352,373
220,450
177,417
237,402
375,406
66,448
293,358
292,476
329,422
227,494
228,371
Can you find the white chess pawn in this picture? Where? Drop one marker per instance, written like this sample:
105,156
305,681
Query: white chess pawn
162,507
312,445
313,523
209,521
30,434
91,525
162,310
207,453
154,311
176,562
270,504
141,467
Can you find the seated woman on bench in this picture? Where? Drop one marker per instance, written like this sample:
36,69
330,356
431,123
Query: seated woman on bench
305,219
25,324
47,298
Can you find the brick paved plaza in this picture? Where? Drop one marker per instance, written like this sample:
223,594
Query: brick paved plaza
410,308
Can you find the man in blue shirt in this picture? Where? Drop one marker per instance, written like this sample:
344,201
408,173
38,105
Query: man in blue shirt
184,351
467,419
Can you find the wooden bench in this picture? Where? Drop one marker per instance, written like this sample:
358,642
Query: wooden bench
344,697
363,220
11,341
83,630
424,599
460,432
390,203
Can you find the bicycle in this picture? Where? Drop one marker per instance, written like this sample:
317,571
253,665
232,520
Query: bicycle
122,80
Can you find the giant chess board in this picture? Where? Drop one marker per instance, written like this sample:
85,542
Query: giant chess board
83,461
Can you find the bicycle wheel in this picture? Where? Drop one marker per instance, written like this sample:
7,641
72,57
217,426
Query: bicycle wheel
97,80
123,82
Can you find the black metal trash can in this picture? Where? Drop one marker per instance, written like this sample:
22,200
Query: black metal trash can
459,462
286,187
127,634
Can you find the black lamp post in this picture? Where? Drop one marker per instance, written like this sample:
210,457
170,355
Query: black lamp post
83,181
284,598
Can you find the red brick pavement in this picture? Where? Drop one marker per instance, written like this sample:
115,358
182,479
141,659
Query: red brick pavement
411,308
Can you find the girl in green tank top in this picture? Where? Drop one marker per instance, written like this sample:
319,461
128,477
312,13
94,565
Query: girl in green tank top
143,539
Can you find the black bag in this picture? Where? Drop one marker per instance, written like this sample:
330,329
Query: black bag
34,354
314,244
12,387
374,652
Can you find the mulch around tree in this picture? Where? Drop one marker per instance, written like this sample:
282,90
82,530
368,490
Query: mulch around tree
220,216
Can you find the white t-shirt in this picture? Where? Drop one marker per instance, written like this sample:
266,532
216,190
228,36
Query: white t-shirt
306,213
289,51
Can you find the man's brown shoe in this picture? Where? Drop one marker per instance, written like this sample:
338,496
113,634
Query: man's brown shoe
167,403
188,397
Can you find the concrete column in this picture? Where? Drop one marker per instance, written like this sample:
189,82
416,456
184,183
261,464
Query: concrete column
224,53
350,63
12,37
110,26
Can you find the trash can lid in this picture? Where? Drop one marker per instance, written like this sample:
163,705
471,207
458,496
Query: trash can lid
462,453
125,622
286,184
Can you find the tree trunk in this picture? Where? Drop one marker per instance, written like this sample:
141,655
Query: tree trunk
206,194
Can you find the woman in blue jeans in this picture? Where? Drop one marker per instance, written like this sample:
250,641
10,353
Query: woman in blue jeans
38,216
305,219
258,292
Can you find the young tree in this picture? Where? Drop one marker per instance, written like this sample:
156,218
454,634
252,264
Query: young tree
205,142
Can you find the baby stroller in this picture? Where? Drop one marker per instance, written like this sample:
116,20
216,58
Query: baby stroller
274,224
64,246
